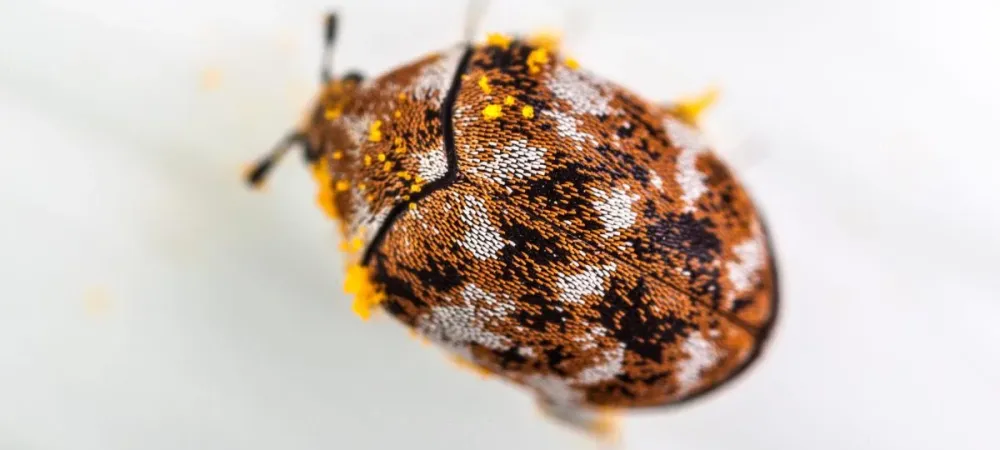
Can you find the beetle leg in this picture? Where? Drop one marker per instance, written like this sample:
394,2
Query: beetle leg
329,38
601,425
257,173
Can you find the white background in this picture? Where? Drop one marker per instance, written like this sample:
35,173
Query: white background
148,301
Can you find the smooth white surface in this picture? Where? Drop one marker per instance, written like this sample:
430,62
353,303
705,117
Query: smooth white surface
150,302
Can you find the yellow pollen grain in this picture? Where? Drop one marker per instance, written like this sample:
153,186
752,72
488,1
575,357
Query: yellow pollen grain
536,59
366,295
368,160
397,114
370,198
361,187
492,112
573,64
388,166
332,113
508,100
402,96
406,197
403,175
381,157
356,244
374,132
400,150
415,188
528,112
338,154
418,178
413,206
547,39
484,84
398,141
343,185
498,40
691,109
324,194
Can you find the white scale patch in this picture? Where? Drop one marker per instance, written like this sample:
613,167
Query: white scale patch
589,282
692,145
483,239
750,258
605,369
432,165
615,209
566,127
516,160
456,327
580,90
556,390
357,128
434,80
365,223
702,355
656,180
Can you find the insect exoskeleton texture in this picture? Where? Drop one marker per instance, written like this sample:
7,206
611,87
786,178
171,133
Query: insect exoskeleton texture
544,224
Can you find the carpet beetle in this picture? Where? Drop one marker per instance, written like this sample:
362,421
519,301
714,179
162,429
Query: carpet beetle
542,224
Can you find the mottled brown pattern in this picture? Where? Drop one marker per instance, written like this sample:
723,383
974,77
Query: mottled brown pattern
589,247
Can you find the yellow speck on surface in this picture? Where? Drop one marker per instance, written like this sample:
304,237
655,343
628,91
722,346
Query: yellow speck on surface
344,246
400,150
474,368
418,178
572,63
96,301
528,112
210,79
370,198
498,40
484,84
537,58
492,112
415,188
420,338
324,193
413,206
398,141
361,187
356,244
381,157
368,160
606,427
546,39
338,155
404,175
397,114
387,166
691,109
375,132
332,113
366,295
406,197
343,185
508,100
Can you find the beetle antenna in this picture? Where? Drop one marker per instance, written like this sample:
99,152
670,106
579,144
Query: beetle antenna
258,172
329,38
474,14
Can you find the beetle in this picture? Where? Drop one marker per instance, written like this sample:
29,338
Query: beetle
543,224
